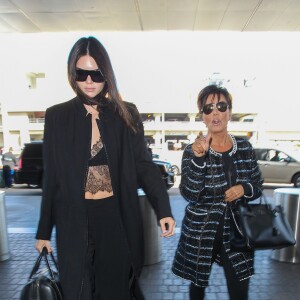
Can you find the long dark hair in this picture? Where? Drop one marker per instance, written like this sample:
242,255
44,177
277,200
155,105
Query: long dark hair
92,47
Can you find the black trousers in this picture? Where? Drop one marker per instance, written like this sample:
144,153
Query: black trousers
238,290
108,265
7,176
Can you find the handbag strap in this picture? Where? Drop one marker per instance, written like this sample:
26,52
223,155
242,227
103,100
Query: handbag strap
263,202
36,265
51,272
44,254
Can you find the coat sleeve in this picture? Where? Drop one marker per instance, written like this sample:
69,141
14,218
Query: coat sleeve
193,171
148,175
255,181
46,220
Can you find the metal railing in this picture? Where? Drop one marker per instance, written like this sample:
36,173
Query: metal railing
36,120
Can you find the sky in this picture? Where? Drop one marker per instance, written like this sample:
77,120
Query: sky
164,69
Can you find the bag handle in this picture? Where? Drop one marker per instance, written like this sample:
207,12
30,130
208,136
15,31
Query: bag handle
244,202
262,201
44,254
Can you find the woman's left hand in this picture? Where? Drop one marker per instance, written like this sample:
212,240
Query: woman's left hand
167,226
234,193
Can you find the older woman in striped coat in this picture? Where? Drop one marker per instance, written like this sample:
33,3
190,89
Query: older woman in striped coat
217,171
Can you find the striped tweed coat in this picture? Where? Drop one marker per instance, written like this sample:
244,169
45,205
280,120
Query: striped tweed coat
203,184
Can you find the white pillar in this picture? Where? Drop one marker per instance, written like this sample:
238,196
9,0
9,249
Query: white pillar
4,247
157,117
192,117
157,138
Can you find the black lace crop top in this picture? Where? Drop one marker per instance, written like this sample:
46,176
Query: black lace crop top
98,178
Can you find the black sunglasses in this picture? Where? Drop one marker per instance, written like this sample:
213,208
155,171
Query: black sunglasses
208,108
96,75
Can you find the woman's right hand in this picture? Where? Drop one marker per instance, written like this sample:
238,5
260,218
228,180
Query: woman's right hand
201,144
40,244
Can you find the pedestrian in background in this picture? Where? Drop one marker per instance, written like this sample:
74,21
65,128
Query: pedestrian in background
95,158
217,171
9,162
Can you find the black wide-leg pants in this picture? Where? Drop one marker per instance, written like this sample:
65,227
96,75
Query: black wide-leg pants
108,264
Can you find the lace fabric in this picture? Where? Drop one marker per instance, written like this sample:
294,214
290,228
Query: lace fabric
98,180
96,147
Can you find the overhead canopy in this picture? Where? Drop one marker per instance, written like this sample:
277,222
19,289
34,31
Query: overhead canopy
26,16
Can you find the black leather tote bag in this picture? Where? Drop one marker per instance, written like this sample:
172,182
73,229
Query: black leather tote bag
43,286
259,226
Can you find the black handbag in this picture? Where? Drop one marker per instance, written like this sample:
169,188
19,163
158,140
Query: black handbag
239,242
259,226
41,285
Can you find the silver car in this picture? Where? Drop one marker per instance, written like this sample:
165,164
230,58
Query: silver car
279,166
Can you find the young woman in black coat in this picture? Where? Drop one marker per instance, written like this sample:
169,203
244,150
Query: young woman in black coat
95,159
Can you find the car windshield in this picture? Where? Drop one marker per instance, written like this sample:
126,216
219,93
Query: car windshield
283,154
277,154
295,154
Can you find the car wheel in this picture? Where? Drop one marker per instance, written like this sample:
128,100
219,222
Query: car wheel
296,180
175,170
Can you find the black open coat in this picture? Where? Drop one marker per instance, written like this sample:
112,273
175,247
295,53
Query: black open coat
67,141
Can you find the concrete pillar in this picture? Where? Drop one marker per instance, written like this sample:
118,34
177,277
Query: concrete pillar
192,117
4,248
157,117
157,138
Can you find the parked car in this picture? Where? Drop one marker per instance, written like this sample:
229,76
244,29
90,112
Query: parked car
174,160
31,167
278,166
166,172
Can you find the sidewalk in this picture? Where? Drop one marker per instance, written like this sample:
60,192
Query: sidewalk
273,280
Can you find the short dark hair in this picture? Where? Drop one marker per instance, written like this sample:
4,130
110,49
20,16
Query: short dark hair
213,90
